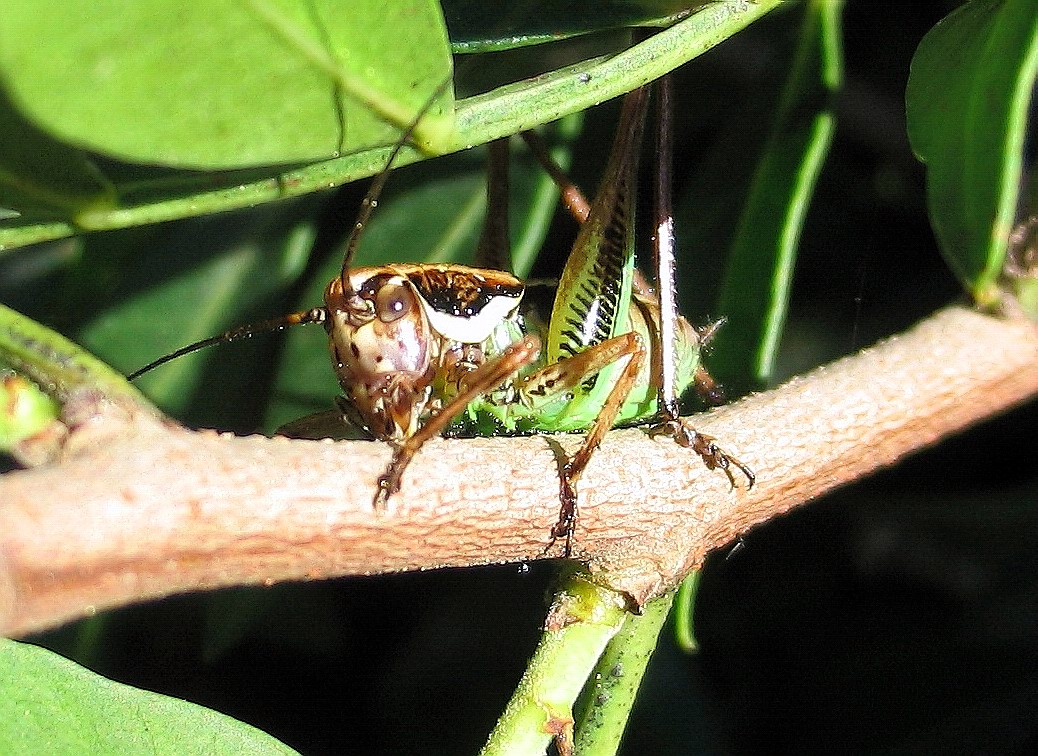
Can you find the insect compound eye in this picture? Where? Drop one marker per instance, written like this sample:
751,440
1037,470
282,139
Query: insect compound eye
393,301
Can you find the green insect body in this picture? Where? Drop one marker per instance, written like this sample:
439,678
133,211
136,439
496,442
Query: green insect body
573,410
595,301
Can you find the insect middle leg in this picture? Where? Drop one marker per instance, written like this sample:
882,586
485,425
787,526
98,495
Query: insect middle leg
567,375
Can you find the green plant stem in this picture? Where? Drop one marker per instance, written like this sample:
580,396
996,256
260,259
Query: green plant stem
504,111
56,364
607,702
684,609
582,620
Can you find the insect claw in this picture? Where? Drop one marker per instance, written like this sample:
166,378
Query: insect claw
388,484
705,446
728,471
751,478
566,525
382,493
391,480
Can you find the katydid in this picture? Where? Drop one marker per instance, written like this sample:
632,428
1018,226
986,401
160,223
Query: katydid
421,349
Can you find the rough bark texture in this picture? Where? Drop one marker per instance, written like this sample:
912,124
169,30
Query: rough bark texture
137,508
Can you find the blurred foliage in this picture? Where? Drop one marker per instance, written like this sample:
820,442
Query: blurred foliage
969,108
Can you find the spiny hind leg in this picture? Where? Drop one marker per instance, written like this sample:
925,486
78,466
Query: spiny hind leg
712,393
568,374
685,434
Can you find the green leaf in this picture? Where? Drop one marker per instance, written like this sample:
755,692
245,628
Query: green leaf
479,26
51,705
968,97
226,84
755,292
39,175
56,363
504,111
225,271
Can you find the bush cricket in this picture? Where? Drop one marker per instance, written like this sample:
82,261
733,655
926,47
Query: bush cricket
421,349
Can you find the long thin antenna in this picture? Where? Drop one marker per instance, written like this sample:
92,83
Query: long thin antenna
370,201
664,249
316,315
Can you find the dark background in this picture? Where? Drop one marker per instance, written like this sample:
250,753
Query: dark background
896,616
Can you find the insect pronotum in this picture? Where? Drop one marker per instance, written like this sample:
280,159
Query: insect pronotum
420,349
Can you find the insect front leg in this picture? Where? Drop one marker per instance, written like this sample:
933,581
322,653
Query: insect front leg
475,384
566,376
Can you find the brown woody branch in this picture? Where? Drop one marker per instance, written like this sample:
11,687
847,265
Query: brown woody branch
137,508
